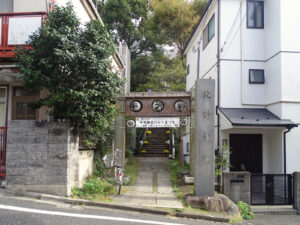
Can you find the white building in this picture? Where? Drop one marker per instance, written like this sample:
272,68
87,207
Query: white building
252,49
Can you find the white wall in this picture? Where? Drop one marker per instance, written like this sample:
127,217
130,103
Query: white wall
86,166
29,5
290,25
292,111
208,56
78,8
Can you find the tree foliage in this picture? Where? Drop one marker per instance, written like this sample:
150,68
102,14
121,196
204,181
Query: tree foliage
172,22
147,27
126,20
168,75
72,63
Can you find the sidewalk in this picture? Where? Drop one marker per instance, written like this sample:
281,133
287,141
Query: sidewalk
153,187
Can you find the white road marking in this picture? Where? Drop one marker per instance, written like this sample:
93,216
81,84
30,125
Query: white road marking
56,213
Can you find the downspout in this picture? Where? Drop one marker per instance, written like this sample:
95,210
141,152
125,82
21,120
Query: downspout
242,54
218,75
220,178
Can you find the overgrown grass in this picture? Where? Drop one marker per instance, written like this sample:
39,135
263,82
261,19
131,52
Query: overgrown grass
132,170
179,189
245,210
101,186
95,189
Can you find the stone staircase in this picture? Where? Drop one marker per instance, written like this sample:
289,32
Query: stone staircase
155,143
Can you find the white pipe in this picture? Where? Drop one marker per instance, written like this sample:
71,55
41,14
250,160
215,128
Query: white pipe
241,52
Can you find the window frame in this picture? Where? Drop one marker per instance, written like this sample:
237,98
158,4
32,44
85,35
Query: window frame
207,27
257,82
255,11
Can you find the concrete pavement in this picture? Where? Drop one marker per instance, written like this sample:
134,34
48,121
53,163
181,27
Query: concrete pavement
153,187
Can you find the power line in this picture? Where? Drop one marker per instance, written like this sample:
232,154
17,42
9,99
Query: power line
233,25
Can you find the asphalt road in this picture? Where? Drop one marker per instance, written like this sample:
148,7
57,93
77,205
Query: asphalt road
26,211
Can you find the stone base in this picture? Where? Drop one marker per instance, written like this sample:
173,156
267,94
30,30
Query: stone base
217,203
188,180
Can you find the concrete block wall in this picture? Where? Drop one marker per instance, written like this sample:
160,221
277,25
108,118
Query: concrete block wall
237,186
42,156
297,190
86,166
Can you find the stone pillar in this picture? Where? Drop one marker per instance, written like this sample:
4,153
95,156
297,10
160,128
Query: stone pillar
204,131
120,132
237,186
297,190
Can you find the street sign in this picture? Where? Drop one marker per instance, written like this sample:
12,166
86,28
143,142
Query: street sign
147,122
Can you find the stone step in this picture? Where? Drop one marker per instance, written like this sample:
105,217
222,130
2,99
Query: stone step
274,210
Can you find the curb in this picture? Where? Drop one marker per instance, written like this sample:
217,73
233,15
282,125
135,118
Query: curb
110,205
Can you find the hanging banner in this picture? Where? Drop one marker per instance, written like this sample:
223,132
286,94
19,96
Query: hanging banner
148,122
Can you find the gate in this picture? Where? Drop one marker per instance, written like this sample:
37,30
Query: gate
3,134
272,189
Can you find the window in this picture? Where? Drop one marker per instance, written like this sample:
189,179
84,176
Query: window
188,69
21,104
256,76
209,31
255,14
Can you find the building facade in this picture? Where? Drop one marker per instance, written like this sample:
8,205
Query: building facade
252,49
18,20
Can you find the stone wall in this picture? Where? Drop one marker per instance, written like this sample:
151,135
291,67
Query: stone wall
297,190
237,186
42,157
86,166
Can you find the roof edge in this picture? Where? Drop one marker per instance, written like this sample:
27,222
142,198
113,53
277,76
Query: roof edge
198,24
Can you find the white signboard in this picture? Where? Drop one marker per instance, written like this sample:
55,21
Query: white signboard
20,28
146,122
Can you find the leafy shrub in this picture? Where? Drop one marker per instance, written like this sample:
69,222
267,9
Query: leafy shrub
92,187
244,208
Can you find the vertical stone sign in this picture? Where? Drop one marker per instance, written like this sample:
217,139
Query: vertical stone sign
204,133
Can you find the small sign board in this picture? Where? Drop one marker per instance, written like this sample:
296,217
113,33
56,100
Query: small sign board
147,122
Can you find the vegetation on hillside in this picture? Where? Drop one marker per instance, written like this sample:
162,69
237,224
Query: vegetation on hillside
156,32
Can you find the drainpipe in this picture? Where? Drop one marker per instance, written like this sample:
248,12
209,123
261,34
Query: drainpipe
218,88
219,67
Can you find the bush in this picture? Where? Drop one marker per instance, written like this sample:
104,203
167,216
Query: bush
92,187
244,208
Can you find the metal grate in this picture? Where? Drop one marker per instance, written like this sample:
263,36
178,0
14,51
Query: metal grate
271,189
3,134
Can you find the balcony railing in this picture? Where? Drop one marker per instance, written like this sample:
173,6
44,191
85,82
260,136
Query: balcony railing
15,29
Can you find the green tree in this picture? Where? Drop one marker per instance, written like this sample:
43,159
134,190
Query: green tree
172,22
126,20
169,75
72,63
199,6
